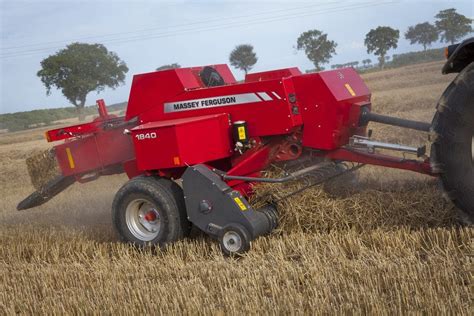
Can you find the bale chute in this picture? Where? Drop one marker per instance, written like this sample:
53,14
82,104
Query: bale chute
42,167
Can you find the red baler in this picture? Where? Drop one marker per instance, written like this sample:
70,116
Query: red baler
194,143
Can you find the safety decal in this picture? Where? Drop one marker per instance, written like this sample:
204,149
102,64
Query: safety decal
69,158
349,88
241,130
240,204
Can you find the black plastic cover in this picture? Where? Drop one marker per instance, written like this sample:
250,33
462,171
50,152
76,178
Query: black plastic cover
212,205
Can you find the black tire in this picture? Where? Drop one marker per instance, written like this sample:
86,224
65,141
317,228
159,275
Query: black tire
234,239
163,199
452,150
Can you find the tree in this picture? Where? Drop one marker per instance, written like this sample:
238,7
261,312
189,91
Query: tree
82,68
170,66
243,57
317,47
422,33
380,41
366,62
452,25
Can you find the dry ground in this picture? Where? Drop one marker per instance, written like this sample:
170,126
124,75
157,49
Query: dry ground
392,245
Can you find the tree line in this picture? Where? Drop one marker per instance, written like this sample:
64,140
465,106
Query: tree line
36,118
450,26
82,68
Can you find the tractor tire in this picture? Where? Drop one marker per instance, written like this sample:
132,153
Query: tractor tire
150,211
453,147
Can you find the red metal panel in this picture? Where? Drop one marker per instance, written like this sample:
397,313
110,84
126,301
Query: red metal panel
330,103
87,128
150,90
94,152
262,104
71,131
336,82
78,156
131,168
423,167
157,150
204,140
273,74
182,142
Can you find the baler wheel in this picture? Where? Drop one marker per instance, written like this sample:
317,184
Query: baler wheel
453,148
149,210
234,239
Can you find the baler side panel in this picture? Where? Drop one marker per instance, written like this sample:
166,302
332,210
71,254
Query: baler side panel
182,142
206,140
331,103
156,152
95,152
267,112
150,90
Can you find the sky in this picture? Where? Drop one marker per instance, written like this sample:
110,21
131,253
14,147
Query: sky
148,34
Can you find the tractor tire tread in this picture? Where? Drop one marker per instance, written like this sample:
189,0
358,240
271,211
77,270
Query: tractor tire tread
453,126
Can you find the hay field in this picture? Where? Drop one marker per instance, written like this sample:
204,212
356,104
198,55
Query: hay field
389,245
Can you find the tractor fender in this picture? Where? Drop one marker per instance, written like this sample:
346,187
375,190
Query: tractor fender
459,56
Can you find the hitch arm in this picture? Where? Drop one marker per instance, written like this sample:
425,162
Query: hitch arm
346,154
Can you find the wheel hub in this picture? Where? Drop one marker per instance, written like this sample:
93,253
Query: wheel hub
232,241
151,215
143,219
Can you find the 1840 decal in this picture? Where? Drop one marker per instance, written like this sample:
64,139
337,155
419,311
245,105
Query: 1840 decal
146,136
